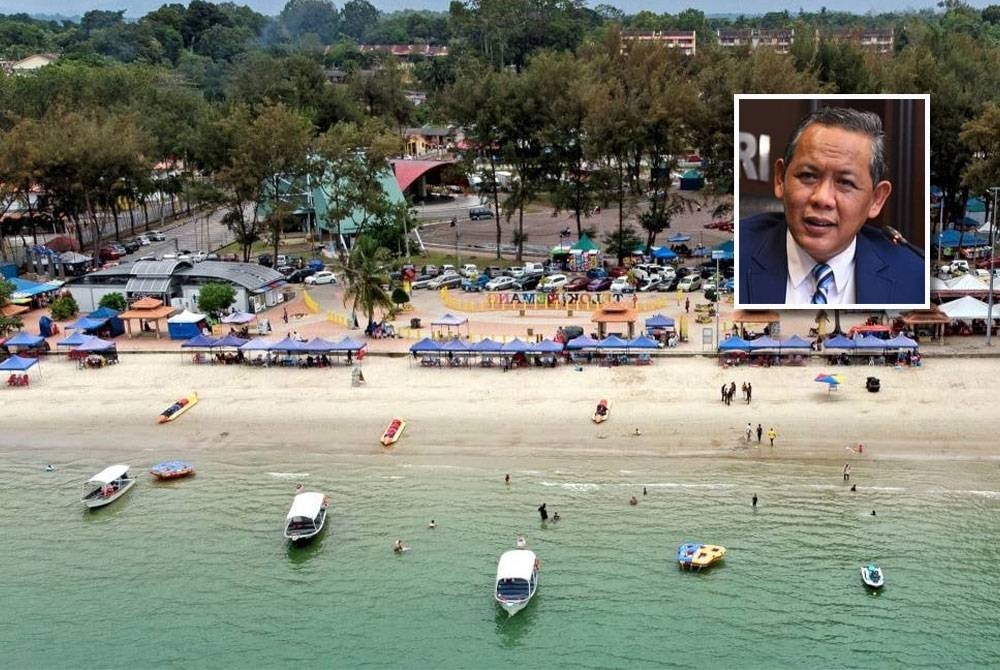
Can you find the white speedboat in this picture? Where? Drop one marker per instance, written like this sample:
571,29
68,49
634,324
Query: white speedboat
872,576
517,579
306,517
107,486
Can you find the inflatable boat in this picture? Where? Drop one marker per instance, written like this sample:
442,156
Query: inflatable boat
393,431
178,408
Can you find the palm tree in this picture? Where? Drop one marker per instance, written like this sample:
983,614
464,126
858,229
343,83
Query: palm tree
366,275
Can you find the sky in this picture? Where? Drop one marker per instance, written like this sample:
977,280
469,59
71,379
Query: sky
137,8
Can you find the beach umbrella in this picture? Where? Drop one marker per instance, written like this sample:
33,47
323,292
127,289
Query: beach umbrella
832,381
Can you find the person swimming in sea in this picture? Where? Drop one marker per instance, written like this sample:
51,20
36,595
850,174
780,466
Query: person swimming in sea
633,501
399,547
555,517
49,468
432,525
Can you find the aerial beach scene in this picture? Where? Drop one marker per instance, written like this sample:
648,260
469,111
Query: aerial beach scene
387,367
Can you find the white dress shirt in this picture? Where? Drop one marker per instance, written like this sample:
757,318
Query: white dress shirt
801,285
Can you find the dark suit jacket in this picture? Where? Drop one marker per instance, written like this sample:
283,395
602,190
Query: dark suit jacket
884,274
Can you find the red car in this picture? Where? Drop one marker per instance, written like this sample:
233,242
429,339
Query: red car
577,284
617,271
109,254
597,285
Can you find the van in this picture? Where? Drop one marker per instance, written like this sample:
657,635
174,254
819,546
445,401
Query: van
534,269
480,212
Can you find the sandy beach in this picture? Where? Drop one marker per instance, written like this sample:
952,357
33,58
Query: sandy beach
933,412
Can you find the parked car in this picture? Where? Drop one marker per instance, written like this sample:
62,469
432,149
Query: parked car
597,273
553,282
501,283
571,332
147,257
621,285
211,256
430,270
618,271
109,253
286,269
528,282
143,240
648,284
131,245
690,283
446,280
322,277
469,271
515,271
602,284
265,260
199,256
668,284
480,212
299,276
475,285
119,247
577,284
169,256
420,282
156,236
493,271
534,269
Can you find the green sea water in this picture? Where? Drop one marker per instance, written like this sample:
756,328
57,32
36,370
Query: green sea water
195,573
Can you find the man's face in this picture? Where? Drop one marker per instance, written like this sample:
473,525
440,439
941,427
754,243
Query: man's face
827,189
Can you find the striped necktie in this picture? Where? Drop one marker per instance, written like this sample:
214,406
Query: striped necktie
823,276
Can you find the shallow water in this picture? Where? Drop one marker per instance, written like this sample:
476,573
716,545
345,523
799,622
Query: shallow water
195,573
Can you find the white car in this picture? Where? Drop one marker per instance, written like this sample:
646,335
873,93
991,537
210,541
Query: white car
501,283
553,282
198,256
621,285
156,236
469,271
690,283
322,277
515,271
142,240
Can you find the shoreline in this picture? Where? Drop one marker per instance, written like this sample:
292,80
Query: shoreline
523,414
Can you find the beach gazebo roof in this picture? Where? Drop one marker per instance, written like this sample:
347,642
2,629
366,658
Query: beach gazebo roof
763,342
756,316
901,342
454,344
348,343
257,344
146,309
614,313
230,341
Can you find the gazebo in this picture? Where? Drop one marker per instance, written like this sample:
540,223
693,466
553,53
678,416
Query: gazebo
146,310
933,318
450,321
745,316
614,313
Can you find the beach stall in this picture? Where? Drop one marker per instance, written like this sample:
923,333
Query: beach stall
734,351
428,352
450,321
457,353
148,312
97,353
200,341
257,352
25,345
546,353
642,346
514,353
17,367
584,255
792,351
770,319
353,349
486,349
186,324
662,328
114,326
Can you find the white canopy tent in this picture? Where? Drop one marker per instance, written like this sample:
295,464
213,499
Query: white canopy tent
968,307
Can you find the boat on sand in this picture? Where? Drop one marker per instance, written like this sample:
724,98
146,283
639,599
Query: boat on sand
178,408
601,413
393,431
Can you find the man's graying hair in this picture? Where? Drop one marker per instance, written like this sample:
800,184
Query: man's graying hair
866,123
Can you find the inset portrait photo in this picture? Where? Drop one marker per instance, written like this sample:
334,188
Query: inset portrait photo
832,201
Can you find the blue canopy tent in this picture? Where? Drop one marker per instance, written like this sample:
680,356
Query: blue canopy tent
23,339
289,346
229,341
727,248
74,340
318,345
659,321
582,342
901,342
348,343
116,325
96,344
546,346
870,342
186,324
839,342
86,324
486,346
612,342
426,345
515,346
794,342
663,254
734,343
257,344
454,345
643,342
18,364
764,342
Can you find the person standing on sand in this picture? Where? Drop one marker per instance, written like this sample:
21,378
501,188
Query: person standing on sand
687,305
732,390
723,393
771,434
506,479
749,431
743,390
760,432
749,392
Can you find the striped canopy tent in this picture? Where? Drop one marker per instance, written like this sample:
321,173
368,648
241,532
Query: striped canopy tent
734,343
200,341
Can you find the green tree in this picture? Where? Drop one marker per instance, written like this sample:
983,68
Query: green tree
620,243
357,17
8,324
115,301
215,297
366,276
64,307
